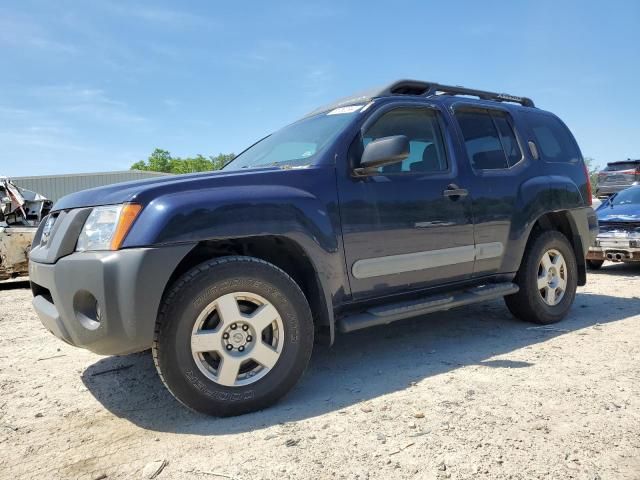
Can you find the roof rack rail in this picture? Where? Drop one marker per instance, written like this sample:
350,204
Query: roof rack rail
415,87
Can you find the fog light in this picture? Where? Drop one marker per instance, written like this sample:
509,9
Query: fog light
87,309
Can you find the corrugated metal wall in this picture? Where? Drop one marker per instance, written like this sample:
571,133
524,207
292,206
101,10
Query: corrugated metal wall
55,187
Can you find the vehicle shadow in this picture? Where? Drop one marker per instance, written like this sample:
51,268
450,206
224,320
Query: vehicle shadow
618,269
360,366
15,284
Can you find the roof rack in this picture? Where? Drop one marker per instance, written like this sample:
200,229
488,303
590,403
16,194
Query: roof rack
416,87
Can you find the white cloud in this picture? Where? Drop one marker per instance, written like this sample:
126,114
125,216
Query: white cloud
266,51
90,103
171,102
317,80
21,33
158,15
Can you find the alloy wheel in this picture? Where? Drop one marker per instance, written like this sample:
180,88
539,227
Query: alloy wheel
237,339
552,277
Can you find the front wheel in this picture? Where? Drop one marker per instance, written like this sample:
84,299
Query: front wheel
547,279
233,335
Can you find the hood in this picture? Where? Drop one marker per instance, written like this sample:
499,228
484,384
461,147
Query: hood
143,191
619,213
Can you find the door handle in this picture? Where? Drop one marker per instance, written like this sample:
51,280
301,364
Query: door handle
454,192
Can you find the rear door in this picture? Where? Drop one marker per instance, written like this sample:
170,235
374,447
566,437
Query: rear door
499,167
402,228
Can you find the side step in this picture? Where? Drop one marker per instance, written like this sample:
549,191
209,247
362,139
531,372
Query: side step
434,303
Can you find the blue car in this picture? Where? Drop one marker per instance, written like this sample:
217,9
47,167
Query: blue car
619,237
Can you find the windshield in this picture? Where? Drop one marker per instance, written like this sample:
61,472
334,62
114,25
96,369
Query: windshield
298,144
628,196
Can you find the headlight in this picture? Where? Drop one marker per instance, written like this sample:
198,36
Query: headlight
106,227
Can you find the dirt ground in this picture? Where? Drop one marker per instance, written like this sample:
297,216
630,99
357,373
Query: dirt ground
471,393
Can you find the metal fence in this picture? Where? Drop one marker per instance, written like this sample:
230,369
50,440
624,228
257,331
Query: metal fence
55,187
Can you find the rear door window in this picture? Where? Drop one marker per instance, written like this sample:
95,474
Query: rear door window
489,139
508,138
554,141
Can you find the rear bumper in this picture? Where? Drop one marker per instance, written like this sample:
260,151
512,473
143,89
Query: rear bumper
614,253
607,190
593,228
106,302
584,224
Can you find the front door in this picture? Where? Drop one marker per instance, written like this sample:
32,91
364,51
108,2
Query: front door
409,225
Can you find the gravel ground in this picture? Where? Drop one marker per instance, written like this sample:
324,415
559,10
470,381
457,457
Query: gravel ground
471,393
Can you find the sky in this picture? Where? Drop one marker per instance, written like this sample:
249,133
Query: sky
96,86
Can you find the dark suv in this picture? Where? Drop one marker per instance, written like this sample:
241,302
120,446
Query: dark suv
617,176
412,199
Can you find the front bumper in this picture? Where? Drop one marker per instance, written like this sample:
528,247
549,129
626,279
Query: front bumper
106,302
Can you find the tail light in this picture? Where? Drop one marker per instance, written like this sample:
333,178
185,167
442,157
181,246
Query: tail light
588,179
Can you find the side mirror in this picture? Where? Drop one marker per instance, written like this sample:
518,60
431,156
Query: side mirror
383,151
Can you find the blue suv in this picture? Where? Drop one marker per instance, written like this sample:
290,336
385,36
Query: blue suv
411,199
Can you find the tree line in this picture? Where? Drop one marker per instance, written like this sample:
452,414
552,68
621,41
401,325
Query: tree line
162,161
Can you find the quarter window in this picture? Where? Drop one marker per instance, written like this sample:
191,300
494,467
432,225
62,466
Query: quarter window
421,126
489,139
555,142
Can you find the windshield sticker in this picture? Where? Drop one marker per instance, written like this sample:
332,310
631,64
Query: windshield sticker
343,110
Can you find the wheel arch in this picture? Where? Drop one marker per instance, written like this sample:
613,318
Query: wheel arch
283,252
563,222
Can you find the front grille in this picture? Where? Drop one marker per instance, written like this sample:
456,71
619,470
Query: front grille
47,229
620,227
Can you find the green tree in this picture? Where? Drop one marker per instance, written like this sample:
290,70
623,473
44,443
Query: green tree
221,160
593,172
162,161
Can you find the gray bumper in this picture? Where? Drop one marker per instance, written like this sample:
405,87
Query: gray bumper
585,224
106,302
585,227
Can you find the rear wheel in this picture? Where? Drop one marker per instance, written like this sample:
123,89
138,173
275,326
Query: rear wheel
594,264
547,279
233,335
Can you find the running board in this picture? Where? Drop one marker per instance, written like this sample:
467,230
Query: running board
434,303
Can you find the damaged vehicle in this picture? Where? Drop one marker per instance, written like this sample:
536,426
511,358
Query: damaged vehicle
619,237
20,213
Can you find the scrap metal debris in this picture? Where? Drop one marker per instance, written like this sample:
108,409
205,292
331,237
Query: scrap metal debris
21,211
21,207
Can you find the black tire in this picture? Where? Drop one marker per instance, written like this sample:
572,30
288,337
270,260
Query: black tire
528,304
594,264
197,289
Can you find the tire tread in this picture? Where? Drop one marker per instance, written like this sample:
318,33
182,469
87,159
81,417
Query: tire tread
180,286
524,304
